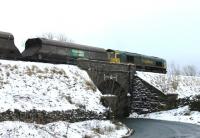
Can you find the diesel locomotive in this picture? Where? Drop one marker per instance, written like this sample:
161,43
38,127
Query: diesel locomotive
51,51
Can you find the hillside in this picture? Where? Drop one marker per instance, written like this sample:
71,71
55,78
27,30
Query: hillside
28,87
184,86
187,87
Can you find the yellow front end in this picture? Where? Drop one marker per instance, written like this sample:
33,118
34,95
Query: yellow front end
114,57
115,60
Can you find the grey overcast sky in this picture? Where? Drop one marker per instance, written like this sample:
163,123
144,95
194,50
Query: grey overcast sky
165,28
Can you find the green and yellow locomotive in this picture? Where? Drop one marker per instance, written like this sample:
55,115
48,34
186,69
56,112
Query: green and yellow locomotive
142,62
45,50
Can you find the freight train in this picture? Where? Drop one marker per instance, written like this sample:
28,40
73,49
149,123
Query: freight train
51,51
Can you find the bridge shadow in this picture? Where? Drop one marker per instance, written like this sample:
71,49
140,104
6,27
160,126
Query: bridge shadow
119,107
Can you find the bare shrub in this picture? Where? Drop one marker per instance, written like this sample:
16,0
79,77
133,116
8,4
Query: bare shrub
102,130
66,76
174,69
67,97
35,69
98,130
118,125
46,70
175,82
58,71
171,83
29,71
88,136
59,37
48,36
187,70
190,70
90,85
6,82
110,128
61,72
174,76
7,74
163,83
42,77
63,38
13,67
1,84
7,66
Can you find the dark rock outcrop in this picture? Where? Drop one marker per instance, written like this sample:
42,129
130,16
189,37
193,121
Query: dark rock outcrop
195,103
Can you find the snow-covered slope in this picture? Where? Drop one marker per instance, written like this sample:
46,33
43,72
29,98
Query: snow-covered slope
86,129
184,86
27,85
182,114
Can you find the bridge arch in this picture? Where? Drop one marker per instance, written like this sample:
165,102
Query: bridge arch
113,79
112,87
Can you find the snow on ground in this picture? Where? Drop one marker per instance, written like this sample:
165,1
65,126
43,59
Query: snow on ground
184,86
29,85
182,114
92,128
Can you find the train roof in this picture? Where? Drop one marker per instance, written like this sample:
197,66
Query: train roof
6,35
135,54
44,41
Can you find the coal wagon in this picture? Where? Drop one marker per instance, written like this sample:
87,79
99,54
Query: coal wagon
8,50
45,50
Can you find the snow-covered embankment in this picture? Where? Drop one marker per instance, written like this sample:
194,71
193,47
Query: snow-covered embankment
184,86
27,86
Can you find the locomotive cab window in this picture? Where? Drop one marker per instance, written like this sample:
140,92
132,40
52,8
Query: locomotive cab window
130,59
159,64
117,55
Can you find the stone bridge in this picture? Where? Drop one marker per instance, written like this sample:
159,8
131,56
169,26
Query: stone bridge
111,79
123,91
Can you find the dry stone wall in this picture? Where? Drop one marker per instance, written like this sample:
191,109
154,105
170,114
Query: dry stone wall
43,117
145,98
